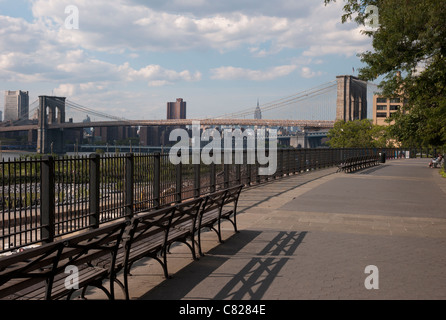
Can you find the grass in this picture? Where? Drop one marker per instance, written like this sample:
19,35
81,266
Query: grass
442,172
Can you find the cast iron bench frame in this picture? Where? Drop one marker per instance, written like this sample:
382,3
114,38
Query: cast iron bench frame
356,163
219,206
39,273
100,254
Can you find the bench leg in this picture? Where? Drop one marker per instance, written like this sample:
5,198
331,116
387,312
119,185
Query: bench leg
233,221
219,231
126,281
200,252
121,285
98,284
190,246
164,263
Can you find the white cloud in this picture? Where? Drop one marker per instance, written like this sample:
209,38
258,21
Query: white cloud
206,8
307,73
115,26
234,73
65,90
29,53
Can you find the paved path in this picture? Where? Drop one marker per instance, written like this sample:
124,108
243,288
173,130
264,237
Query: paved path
311,236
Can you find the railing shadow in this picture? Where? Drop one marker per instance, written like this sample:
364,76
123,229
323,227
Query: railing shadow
253,280
187,278
249,281
370,170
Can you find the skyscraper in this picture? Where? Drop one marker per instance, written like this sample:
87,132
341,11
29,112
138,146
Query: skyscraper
176,110
16,105
258,112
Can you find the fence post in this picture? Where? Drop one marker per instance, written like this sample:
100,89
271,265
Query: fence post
212,178
94,183
179,182
248,174
257,166
293,161
47,199
156,180
226,175
197,182
129,171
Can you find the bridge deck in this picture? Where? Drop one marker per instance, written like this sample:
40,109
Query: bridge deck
179,122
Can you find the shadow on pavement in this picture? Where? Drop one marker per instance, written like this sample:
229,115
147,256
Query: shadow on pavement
249,279
256,276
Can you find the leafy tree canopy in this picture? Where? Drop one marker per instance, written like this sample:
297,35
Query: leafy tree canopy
411,39
358,134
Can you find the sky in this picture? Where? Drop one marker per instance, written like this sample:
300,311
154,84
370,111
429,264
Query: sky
128,58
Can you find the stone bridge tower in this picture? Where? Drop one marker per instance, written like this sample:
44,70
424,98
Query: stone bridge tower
51,111
351,103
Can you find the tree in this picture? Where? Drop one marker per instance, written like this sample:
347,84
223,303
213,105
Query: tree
411,39
358,134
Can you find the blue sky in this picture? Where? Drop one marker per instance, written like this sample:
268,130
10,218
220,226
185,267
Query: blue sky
129,57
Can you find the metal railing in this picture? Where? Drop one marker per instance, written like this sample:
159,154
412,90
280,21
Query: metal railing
46,198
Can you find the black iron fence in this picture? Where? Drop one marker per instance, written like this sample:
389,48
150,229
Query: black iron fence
43,199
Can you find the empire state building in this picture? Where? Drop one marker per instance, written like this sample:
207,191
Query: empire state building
257,112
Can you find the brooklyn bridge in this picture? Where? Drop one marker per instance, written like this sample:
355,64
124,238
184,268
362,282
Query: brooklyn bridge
51,130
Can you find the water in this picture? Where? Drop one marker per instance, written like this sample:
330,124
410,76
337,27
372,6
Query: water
6,155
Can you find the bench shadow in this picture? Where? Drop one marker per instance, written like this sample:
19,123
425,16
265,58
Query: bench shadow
255,275
370,170
183,281
253,280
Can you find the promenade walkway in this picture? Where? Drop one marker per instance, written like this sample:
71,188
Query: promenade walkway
311,236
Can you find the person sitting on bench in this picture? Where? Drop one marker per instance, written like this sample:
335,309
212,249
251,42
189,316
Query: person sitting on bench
435,161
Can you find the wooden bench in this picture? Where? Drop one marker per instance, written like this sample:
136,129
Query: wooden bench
152,233
356,163
100,254
218,206
40,273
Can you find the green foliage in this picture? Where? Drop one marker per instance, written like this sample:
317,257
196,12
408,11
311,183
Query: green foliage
442,172
411,39
358,134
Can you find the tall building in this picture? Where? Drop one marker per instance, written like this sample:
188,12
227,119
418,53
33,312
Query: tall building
176,110
384,107
258,112
16,105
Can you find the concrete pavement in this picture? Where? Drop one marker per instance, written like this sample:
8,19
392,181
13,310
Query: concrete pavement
311,236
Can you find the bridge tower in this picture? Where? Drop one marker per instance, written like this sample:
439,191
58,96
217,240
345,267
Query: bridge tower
351,103
51,111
